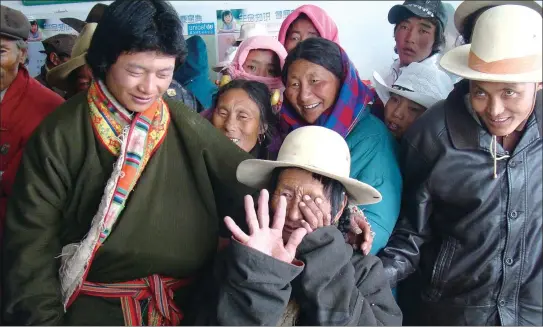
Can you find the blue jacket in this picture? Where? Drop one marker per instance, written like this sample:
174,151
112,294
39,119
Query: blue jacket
374,161
194,73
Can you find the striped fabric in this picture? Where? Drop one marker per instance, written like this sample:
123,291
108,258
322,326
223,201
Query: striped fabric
108,123
144,134
157,290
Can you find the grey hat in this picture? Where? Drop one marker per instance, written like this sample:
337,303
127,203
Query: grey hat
13,24
419,8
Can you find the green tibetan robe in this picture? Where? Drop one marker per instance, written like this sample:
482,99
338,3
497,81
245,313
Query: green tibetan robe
170,225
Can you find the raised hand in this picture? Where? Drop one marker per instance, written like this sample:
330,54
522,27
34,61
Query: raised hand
262,237
316,213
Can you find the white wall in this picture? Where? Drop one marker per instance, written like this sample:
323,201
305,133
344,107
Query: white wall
364,30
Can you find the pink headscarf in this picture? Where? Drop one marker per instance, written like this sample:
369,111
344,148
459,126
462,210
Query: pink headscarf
323,23
236,71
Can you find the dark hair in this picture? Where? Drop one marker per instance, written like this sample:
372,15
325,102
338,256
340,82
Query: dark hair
439,37
333,190
259,93
135,26
33,22
319,51
226,13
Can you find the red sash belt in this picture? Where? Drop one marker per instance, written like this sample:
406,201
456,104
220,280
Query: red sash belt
161,309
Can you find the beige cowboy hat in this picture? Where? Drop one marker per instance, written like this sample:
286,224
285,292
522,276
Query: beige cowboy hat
58,76
248,30
318,150
466,8
230,55
94,16
506,47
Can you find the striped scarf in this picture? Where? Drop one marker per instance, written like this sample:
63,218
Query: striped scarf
354,97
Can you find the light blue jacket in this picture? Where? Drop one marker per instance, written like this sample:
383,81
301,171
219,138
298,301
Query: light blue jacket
374,161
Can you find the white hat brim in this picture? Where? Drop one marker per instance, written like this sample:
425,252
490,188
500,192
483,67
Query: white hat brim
456,62
221,65
256,173
466,8
382,88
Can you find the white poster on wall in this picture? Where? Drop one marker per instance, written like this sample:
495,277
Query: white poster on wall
41,29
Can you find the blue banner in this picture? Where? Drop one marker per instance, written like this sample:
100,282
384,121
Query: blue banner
201,29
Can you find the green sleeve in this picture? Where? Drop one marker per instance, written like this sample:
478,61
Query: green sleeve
222,158
31,248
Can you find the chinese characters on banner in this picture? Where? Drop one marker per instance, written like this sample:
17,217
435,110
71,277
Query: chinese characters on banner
230,22
220,30
201,24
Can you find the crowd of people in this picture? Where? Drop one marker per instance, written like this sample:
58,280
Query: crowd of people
136,191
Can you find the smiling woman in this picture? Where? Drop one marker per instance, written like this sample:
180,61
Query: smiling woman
242,112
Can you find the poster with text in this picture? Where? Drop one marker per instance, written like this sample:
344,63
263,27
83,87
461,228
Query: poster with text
42,29
230,21
202,24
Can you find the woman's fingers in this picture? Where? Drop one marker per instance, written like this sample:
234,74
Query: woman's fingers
237,233
294,240
326,211
315,212
263,213
306,226
250,214
308,214
280,213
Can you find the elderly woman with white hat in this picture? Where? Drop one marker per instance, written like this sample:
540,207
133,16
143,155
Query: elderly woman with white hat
416,90
293,266
471,216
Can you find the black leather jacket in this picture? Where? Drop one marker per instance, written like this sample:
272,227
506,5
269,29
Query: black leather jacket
476,240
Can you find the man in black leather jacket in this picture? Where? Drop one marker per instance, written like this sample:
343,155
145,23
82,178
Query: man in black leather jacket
471,219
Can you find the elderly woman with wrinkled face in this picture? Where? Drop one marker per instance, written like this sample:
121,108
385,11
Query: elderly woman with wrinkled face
291,265
243,113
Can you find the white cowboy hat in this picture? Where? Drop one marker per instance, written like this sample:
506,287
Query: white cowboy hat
58,76
231,54
466,8
248,30
423,84
505,47
316,149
